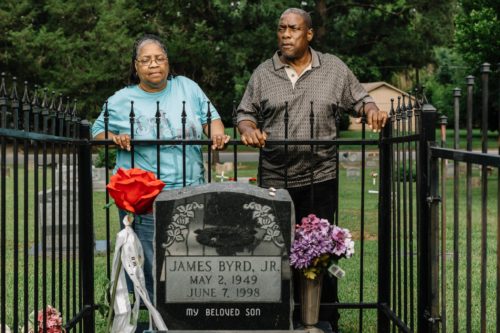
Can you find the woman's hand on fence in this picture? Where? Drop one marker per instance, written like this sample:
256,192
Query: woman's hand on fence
122,141
219,141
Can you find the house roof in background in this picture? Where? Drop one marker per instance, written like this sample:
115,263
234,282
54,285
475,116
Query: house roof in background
371,86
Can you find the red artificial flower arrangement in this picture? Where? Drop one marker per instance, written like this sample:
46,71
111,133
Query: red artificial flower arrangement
53,322
134,190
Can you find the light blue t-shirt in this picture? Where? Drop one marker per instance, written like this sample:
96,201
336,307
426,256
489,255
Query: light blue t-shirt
179,89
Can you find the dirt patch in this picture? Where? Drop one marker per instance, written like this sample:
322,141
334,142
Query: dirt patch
356,235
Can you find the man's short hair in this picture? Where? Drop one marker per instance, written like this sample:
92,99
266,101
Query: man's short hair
305,15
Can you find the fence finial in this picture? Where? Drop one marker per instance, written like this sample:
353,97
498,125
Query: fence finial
235,114
157,114
52,105
26,97
286,116
3,90
209,113
311,119
398,109
443,120
13,93
26,104
74,111
67,110
132,113
35,102
485,68
60,104
183,115
403,107
45,102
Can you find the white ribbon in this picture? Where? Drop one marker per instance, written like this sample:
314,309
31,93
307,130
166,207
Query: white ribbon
128,249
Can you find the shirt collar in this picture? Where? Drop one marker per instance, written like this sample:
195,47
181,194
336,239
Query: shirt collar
278,64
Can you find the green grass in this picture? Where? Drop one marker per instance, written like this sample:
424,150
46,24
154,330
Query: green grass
450,137
476,139
491,250
349,216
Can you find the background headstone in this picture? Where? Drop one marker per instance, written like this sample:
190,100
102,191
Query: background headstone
353,172
222,258
57,223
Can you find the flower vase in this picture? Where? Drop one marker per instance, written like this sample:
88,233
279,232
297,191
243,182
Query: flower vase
310,298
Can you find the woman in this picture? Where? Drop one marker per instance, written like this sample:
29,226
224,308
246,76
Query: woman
150,82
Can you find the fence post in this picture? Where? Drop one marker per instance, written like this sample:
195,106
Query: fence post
384,229
85,222
427,228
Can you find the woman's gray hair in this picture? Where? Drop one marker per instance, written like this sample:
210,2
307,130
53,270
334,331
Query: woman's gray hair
146,39
305,15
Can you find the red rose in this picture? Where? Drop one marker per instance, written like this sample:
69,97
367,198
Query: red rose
134,190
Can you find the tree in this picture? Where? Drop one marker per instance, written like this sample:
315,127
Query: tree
378,38
478,31
449,73
478,41
76,47
83,48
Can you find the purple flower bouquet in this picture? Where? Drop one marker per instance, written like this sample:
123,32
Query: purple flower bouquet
318,245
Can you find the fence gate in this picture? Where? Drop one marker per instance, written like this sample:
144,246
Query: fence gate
45,223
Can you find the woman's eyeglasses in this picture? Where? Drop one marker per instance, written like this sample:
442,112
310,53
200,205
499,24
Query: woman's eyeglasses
147,61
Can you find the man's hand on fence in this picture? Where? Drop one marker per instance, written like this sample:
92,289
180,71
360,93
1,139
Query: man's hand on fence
375,118
251,135
122,141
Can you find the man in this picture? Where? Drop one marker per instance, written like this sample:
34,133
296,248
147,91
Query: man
304,81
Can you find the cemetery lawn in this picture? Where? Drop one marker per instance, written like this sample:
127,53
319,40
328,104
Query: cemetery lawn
349,286
450,133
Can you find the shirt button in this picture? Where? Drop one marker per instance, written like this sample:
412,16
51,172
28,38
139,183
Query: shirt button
293,75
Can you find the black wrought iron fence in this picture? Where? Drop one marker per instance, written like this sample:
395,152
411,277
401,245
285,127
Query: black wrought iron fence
394,294
61,267
47,242
399,215
41,211
462,288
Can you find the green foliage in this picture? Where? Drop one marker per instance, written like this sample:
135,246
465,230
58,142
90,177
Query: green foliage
84,47
377,38
439,82
100,161
478,40
478,31
76,46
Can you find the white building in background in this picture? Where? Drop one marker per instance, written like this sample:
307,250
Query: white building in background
382,92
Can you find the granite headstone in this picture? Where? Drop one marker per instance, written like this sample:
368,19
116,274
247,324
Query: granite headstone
57,221
221,258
